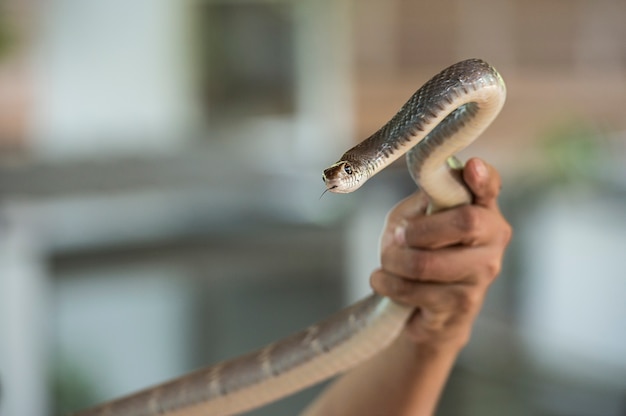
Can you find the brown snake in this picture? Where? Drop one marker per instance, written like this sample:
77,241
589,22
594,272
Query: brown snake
440,119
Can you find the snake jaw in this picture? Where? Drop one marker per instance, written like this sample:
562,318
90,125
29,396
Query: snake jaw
342,178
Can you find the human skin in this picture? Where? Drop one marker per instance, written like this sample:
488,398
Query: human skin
441,265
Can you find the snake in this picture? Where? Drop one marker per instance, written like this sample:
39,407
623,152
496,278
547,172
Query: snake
440,119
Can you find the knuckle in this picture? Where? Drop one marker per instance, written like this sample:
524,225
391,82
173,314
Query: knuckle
377,281
469,221
390,285
435,299
433,320
493,268
467,299
399,288
420,264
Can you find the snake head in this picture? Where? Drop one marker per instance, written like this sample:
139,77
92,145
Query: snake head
342,177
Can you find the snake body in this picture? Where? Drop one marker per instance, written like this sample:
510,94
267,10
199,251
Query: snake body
440,119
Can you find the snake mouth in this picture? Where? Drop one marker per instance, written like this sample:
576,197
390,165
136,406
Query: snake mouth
329,182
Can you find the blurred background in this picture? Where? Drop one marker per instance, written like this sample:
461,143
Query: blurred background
160,168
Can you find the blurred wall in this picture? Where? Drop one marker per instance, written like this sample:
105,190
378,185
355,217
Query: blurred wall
111,77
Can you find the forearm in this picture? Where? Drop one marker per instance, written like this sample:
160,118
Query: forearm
405,379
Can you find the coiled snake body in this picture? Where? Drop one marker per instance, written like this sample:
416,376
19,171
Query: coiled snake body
440,119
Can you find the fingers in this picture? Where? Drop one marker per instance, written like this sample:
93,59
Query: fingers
446,265
464,244
430,296
468,225
442,264
443,312
484,182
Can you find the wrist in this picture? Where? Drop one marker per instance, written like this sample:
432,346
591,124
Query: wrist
433,346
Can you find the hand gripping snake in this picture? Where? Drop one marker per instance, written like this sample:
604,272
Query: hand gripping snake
444,116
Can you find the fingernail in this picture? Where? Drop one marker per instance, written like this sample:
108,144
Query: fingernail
480,169
399,234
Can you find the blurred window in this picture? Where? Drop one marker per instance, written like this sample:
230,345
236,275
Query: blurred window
247,58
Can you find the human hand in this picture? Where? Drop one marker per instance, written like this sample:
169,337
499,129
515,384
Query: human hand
442,264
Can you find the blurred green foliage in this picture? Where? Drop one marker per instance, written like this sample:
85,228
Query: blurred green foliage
7,38
574,151
71,388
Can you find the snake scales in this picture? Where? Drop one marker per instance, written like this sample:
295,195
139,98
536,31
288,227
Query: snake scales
441,118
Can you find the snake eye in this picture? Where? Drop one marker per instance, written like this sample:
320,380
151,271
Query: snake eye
347,169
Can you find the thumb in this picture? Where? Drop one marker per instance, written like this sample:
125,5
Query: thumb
484,182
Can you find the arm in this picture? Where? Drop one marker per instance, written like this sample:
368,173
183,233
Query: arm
442,265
